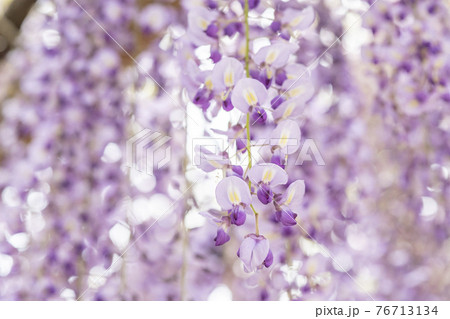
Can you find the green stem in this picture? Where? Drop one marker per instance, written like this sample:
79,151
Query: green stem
249,150
247,71
256,220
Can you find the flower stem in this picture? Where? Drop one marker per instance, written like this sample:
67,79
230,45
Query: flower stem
256,220
249,150
247,72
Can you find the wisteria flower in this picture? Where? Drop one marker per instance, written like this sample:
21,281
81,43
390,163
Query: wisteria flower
298,19
275,55
233,195
272,58
226,73
255,253
290,203
291,108
222,236
248,94
286,138
299,88
201,27
266,176
209,161
224,77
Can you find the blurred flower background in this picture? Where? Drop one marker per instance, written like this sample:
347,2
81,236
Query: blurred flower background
359,209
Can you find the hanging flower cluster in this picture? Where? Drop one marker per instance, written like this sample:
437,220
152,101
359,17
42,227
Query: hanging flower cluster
262,87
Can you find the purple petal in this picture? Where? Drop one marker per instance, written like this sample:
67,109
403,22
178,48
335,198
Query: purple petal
260,251
215,56
227,73
293,196
266,77
212,215
290,109
199,18
240,144
265,194
238,170
232,191
245,252
276,102
299,20
269,259
275,55
212,30
253,251
202,97
268,173
275,26
276,159
227,105
232,28
301,89
207,160
248,93
222,237
259,115
280,77
286,217
238,216
286,137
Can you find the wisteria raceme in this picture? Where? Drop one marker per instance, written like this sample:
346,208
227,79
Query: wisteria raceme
246,150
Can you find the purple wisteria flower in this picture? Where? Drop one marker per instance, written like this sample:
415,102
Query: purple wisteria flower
255,253
298,19
225,75
201,26
248,94
266,176
285,139
209,161
290,203
222,232
275,55
233,195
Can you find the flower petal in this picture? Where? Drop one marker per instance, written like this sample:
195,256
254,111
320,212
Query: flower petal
291,108
232,191
293,196
286,217
226,73
299,20
268,173
222,237
245,252
247,93
269,259
260,252
286,136
238,216
275,55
